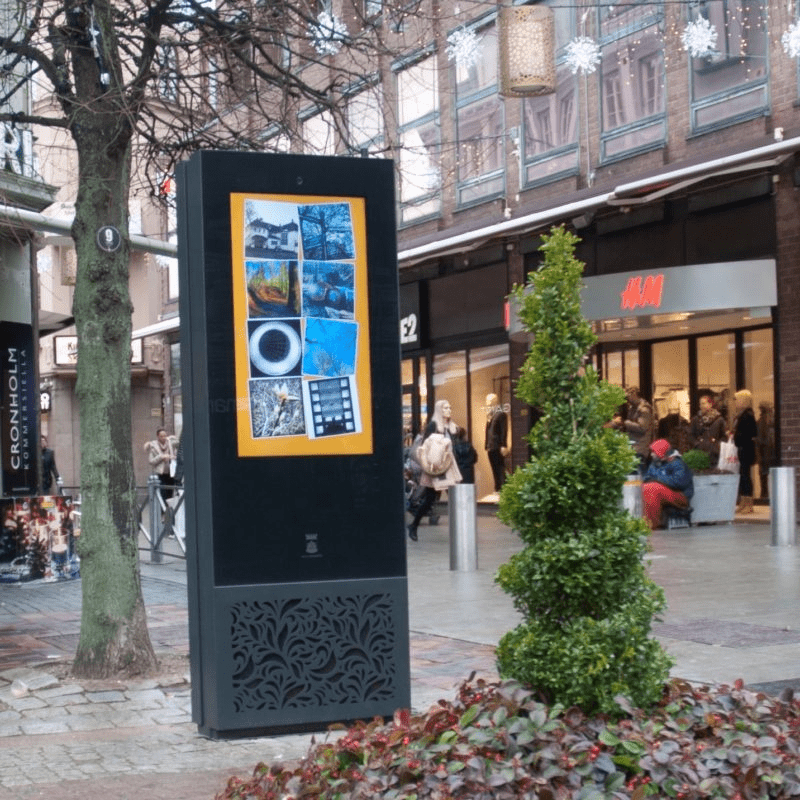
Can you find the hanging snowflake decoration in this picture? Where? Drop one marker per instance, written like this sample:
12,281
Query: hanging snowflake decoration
699,38
328,34
583,55
791,40
463,47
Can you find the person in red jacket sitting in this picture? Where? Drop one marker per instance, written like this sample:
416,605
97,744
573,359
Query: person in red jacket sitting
668,481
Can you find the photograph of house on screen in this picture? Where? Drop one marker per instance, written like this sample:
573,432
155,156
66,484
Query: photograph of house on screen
302,327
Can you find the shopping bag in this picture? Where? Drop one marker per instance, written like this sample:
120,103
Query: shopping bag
728,457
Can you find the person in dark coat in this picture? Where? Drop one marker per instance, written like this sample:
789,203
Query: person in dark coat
675,428
638,424
765,445
465,456
745,433
708,428
49,468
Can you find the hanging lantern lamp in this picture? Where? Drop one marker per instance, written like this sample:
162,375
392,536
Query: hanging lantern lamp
526,51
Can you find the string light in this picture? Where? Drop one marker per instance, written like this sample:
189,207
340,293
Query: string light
328,34
791,40
463,47
699,38
582,55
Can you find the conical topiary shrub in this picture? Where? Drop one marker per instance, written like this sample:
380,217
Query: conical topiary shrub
580,583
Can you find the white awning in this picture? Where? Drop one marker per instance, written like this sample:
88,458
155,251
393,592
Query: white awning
165,326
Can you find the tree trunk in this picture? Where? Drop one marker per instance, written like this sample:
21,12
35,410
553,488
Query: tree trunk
114,636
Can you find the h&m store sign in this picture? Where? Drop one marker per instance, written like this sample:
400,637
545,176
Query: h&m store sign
699,287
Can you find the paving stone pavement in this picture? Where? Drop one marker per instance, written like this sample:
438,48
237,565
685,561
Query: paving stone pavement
733,609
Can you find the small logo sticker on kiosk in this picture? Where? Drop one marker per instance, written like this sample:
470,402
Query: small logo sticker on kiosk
312,544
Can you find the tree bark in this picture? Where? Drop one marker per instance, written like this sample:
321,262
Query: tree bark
114,636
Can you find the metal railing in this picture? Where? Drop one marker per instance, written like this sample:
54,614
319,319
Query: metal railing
158,520
165,518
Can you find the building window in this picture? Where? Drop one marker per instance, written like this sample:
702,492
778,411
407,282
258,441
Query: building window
479,124
418,133
613,108
549,140
729,84
365,120
167,73
631,78
319,134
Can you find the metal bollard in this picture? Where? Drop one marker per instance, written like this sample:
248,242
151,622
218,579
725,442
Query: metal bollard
463,538
632,496
782,506
153,497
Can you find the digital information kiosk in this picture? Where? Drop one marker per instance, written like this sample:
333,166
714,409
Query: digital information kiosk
290,361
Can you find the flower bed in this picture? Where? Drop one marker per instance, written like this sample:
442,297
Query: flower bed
498,741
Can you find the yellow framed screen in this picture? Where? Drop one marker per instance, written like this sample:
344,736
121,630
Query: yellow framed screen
301,325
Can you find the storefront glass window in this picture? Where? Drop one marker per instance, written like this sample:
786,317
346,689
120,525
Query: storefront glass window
415,399
760,380
671,378
716,369
612,367
758,366
620,367
407,382
450,383
488,372
423,392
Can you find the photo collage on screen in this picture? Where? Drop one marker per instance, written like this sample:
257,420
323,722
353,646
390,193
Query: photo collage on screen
302,332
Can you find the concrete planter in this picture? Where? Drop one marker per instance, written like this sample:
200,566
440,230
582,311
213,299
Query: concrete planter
714,498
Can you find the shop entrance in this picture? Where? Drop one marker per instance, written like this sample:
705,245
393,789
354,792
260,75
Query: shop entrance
672,373
464,377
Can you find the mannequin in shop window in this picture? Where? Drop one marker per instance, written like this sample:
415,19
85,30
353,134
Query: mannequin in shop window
708,427
496,442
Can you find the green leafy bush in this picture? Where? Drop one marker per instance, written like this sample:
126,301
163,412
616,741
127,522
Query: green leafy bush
580,584
499,741
697,459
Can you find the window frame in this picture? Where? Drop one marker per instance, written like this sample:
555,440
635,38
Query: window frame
429,118
656,121
719,62
562,154
473,99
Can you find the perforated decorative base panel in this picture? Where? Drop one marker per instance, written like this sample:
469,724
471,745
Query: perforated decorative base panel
299,655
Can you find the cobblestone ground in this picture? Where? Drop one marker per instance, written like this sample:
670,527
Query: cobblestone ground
63,739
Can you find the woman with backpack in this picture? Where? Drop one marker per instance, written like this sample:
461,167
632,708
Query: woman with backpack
435,456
